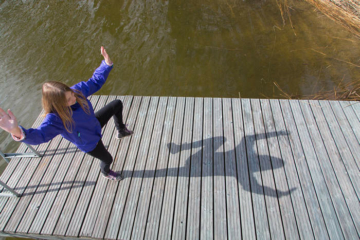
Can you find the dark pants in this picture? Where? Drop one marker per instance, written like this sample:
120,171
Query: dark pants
113,109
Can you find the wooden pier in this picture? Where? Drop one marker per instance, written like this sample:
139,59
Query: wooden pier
198,168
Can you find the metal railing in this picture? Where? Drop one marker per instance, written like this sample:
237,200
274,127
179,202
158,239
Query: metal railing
7,157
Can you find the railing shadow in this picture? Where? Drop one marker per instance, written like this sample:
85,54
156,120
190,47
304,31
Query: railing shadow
59,151
62,151
68,185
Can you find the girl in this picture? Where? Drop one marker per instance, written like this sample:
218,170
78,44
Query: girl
69,113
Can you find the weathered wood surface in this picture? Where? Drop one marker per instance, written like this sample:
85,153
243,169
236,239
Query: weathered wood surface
198,168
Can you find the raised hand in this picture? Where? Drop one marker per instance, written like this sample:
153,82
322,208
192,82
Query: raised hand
9,123
106,56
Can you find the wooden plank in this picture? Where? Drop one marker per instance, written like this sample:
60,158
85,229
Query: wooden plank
345,153
16,167
327,208
182,190
11,166
30,173
71,202
99,191
77,218
193,214
352,118
246,207
99,227
92,189
207,193
277,161
297,197
350,138
356,106
40,191
157,195
72,182
141,214
10,175
270,191
338,165
342,212
9,171
21,174
22,203
220,220
168,206
260,214
156,206
127,151
313,207
232,193
137,175
51,179
54,189
76,157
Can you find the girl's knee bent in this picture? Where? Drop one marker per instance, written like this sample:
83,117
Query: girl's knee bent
118,103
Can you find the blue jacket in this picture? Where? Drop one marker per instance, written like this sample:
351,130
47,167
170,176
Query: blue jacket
87,130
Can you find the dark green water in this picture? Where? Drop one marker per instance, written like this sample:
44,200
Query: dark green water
206,48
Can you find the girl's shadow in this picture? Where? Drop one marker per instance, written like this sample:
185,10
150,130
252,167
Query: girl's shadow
257,162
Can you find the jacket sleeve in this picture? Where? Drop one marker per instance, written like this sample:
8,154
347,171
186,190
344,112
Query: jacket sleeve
44,133
96,81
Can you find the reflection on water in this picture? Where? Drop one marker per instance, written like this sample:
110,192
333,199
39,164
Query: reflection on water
209,48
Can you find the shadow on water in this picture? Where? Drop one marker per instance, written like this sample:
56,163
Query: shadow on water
254,162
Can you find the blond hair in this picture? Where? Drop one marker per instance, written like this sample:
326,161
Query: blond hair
54,101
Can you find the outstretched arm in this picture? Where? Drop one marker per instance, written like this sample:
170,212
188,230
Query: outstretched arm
99,77
9,123
45,132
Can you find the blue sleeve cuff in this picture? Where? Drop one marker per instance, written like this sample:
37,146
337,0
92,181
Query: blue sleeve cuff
104,62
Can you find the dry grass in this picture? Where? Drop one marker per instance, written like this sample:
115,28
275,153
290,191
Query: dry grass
285,94
346,12
346,92
285,12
